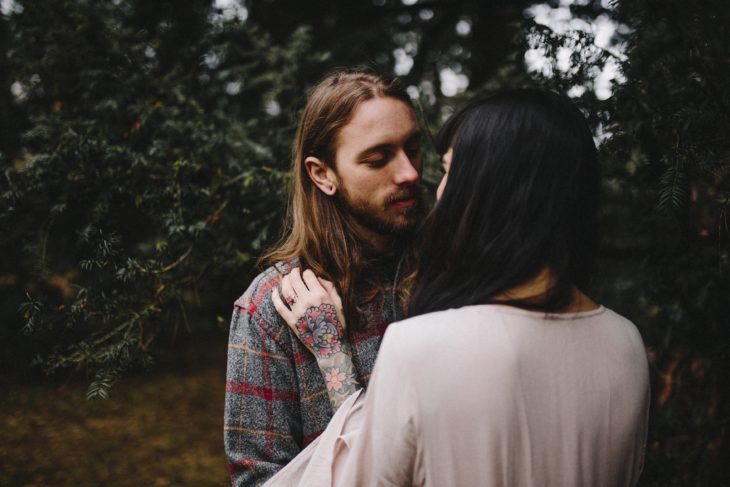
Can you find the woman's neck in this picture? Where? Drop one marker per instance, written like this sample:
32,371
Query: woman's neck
540,285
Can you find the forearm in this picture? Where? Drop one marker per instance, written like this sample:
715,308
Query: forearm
339,375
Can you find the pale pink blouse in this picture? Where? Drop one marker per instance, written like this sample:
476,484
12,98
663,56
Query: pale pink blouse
495,396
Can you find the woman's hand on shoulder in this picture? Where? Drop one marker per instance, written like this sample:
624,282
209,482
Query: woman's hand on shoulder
312,308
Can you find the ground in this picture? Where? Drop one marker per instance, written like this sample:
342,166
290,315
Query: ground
158,428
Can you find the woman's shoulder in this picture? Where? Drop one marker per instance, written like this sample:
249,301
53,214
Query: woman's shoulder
626,330
429,322
429,332
433,323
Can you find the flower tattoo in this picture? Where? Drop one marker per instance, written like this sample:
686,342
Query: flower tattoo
320,330
334,379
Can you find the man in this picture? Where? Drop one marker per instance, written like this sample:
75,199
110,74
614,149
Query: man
355,199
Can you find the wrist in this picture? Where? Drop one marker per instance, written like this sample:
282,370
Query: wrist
344,355
339,375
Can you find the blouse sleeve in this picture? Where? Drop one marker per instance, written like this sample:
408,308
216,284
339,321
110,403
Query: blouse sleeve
642,434
385,449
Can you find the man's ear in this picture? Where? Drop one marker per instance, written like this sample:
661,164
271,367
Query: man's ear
321,175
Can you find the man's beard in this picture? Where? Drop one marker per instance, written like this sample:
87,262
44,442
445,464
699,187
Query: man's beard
375,217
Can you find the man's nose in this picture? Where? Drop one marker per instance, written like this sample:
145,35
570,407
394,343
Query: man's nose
406,171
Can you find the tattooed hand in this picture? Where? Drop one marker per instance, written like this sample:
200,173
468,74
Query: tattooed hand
313,311
320,330
312,308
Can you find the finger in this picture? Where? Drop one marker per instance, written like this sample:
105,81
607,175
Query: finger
331,290
295,278
281,308
312,283
327,285
287,291
335,296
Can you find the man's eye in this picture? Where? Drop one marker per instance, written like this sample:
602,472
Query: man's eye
377,162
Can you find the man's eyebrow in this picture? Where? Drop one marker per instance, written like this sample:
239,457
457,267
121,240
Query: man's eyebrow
386,146
375,149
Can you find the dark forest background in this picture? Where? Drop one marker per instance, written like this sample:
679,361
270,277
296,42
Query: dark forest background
145,147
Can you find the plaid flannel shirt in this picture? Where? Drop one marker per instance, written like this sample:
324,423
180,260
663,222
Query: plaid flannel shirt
276,399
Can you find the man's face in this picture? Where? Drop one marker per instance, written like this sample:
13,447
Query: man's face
378,166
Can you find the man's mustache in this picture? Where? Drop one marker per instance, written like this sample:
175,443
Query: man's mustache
409,193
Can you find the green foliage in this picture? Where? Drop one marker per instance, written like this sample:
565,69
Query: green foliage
673,112
149,165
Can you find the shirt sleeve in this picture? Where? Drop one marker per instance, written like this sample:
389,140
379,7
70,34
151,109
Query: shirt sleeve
262,419
642,433
384,452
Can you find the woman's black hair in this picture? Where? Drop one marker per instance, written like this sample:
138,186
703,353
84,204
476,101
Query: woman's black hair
521,196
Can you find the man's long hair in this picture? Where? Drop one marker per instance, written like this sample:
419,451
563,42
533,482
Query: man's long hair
317,231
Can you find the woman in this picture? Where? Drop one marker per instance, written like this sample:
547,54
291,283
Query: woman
506,373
